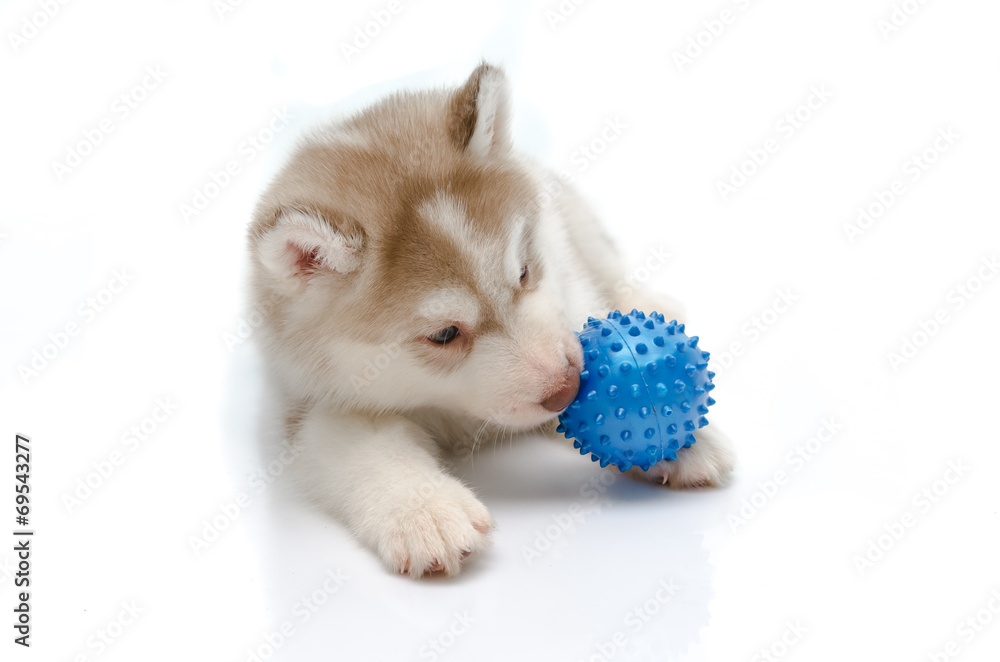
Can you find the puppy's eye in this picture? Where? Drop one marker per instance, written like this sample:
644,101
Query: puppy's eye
524,273
444,336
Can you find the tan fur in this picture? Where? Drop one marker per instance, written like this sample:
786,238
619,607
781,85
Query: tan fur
372,190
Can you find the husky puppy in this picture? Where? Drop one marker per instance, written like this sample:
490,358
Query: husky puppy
420,283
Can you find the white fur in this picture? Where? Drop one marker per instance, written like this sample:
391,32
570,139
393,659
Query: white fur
491,135
296,229
447,305
382,478
447,214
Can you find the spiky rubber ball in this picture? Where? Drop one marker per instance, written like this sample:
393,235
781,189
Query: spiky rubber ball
644,389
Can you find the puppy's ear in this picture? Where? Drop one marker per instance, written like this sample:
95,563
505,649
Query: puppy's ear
479,116
299,245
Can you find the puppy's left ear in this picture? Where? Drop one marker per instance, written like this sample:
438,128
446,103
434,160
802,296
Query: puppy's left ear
295,246
479,116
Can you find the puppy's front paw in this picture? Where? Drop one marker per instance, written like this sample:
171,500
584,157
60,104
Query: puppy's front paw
434,529
706,463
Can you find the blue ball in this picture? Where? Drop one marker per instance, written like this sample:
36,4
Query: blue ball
644,390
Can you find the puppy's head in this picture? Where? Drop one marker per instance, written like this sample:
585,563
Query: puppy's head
399,263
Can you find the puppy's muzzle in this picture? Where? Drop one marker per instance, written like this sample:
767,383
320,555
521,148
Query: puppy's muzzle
565,392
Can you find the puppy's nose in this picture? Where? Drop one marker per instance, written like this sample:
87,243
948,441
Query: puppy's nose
565,392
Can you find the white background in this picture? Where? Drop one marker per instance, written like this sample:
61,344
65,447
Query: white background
739,582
